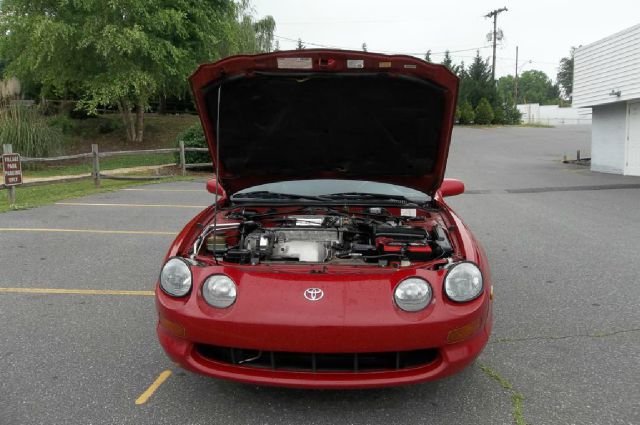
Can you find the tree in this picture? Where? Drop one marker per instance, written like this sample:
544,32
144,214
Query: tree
264,29
535,86
476,81
427,56
511,113
483,112
245,35
499,116
120,53
300,45
465,113
506,87
565,74
448,62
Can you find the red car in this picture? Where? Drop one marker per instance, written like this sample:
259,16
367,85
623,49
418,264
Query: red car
329,259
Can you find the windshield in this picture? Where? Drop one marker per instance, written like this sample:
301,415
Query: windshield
328,187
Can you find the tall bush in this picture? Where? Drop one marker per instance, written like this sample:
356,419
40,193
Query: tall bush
28,132
498,114
512,115
465,113
484,112
193,137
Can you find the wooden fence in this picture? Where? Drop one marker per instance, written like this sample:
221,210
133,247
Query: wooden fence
95,156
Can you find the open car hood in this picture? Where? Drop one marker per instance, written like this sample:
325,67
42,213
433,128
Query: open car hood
314,114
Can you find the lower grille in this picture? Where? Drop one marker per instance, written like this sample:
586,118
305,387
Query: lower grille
319,362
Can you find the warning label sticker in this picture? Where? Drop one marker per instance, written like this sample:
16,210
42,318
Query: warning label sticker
355,63
295,63
408,212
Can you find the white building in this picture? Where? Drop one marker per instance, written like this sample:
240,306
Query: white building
534,113
606,77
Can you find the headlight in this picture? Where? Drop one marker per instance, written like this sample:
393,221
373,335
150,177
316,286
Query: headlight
219,291
463,282
412,294
175,278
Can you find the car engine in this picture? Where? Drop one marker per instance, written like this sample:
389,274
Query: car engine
340,239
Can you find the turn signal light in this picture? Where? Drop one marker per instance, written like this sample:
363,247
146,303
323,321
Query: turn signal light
464,332
172,327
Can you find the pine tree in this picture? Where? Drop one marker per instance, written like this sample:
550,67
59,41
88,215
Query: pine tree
465,113
483,112
448,62
476,82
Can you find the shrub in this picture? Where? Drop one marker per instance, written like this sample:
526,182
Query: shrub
512,115
63,122
28,132
499,114
109,126
193,138
484,112
466,114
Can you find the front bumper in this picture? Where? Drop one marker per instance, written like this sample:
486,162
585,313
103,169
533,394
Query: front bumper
451,359
357,315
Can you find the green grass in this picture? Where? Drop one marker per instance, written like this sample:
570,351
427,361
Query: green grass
33,196
110,163
517,398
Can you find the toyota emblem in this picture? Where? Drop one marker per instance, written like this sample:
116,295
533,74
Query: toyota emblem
314,294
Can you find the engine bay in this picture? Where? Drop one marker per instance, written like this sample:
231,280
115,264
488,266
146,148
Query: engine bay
325,236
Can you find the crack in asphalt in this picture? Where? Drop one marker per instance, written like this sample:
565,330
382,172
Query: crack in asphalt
517,399
559,337
552,189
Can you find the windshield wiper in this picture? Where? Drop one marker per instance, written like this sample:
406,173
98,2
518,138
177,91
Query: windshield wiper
265,194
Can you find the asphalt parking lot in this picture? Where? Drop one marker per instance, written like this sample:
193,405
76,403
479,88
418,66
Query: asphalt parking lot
563,244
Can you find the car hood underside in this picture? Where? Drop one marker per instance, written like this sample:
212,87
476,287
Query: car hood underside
388,120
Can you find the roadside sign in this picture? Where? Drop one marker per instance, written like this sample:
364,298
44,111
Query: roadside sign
12,169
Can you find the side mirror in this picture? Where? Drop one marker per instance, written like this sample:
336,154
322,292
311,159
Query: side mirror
215,189
451,187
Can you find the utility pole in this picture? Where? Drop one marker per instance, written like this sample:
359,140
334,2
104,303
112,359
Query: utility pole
494,14
515,100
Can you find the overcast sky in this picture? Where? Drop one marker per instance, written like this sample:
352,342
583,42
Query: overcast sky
543,30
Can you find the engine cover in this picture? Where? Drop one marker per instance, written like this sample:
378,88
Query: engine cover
301,244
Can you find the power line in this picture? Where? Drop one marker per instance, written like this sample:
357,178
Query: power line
326,46
420,54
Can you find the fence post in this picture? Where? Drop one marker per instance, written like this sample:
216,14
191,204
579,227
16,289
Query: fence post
11,190
183,162
96,164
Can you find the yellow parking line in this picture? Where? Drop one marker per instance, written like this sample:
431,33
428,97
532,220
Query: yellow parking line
86,204
108,232
75,291
163,190
153,387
